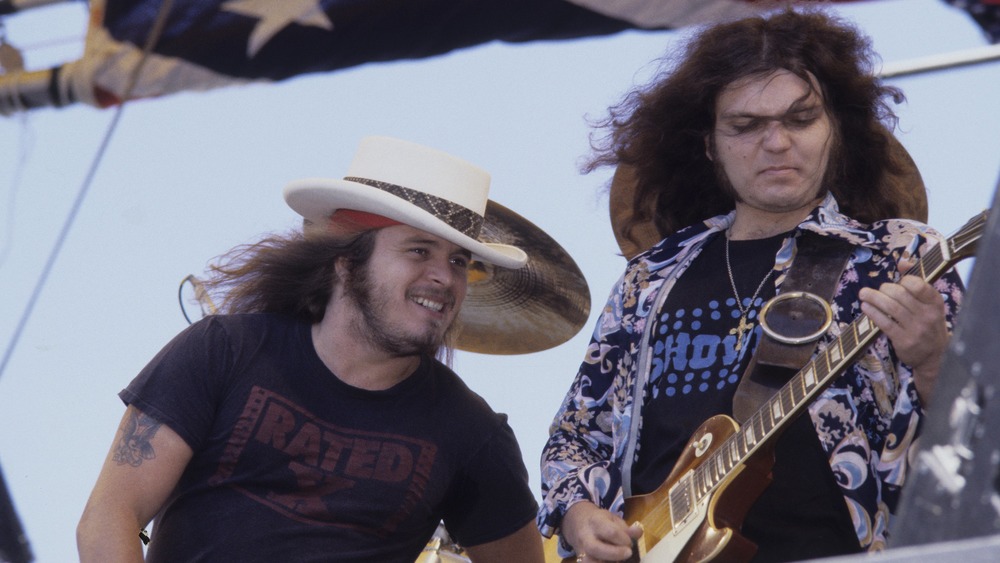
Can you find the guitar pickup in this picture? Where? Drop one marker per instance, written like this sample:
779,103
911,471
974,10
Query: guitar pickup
681,501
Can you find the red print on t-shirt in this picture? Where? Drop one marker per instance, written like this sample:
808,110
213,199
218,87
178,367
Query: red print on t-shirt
283,456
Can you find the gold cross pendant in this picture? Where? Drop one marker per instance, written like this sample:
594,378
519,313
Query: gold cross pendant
740,330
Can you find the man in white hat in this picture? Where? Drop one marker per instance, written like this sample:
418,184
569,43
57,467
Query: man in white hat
314,422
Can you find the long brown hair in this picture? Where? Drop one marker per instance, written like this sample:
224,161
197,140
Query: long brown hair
292,274
659,130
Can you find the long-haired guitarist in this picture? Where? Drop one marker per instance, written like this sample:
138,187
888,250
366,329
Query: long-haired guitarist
764,133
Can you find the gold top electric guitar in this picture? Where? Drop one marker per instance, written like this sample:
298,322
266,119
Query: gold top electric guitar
696,514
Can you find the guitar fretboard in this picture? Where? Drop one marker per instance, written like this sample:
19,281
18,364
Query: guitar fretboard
803,387
770,419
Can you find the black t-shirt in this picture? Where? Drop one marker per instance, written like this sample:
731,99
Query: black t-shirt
696,368
291,463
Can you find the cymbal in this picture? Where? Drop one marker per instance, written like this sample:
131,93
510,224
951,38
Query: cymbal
529,309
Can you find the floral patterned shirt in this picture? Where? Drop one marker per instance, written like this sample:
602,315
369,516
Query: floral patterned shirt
866,420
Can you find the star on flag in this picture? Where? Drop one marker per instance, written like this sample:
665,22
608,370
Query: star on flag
275,16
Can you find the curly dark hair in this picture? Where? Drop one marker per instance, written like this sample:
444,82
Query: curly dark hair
292,274
659,130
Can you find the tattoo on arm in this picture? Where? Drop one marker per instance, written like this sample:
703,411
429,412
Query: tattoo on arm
135,444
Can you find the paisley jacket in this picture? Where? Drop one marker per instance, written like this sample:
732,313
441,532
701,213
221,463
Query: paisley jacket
867,419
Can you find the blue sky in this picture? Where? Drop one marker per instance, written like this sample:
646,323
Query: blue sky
186,177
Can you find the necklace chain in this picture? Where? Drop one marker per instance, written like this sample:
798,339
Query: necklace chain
744,326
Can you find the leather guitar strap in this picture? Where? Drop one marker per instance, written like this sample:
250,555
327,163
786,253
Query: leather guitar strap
818,265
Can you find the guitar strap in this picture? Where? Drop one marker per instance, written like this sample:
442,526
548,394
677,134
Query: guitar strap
817,267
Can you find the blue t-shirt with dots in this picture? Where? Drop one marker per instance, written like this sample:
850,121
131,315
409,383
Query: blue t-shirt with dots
697,359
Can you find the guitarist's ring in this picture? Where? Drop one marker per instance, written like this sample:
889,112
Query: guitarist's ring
813,308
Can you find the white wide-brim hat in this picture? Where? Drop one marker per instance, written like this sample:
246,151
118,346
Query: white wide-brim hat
525,292
416,185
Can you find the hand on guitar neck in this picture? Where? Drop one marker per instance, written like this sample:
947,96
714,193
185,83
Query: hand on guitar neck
912,314
599,534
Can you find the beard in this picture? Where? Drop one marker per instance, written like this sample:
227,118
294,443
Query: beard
374,305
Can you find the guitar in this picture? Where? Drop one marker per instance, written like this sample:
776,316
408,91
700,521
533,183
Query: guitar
695,515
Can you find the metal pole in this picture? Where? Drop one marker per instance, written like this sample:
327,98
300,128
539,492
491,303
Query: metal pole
943,61
26,90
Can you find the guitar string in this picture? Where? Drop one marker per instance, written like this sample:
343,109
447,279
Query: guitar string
934,258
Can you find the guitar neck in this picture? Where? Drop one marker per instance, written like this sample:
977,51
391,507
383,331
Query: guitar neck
779,410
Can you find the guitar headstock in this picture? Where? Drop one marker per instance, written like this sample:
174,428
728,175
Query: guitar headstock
964,241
